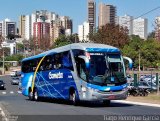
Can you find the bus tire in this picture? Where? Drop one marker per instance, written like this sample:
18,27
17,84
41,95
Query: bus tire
106,102
30,94
35,95
73,97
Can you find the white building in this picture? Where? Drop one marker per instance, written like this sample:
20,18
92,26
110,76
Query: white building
140,27
28,27
83,32
126,21
68,32
33,19
11,45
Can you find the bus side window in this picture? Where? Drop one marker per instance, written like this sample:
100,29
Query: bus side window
81,68
67,61
57,63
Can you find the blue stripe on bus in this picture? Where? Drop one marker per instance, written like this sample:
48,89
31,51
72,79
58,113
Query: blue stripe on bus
102,50
107,88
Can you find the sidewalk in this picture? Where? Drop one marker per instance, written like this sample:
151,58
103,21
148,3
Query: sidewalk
150,100
137,103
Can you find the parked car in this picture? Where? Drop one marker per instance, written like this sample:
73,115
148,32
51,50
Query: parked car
149,85
2,85
15,73
129,78
20,85
15,80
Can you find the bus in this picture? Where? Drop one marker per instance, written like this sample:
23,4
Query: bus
76,72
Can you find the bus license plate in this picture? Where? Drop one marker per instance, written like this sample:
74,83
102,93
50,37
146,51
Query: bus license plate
110,84
112,97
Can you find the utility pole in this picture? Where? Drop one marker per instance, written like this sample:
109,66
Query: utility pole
3,62
139,64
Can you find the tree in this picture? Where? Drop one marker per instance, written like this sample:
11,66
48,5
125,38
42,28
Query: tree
17,57
157,29
133,48
44,43
61,41
151,35
149,51
20,47
111,34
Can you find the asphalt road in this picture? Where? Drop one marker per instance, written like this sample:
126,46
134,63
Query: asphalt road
16,104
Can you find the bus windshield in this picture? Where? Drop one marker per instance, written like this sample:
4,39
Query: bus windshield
106,69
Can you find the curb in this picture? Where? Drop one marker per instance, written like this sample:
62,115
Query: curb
137,103
3,115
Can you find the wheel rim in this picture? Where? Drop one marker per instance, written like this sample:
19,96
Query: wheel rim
73,97
35,95
30,95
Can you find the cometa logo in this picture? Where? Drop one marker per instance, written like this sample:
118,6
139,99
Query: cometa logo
55,76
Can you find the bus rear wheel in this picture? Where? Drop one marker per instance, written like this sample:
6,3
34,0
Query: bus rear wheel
73,98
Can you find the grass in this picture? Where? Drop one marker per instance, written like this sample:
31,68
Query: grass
151,98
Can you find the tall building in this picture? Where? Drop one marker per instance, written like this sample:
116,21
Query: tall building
83,32
107,14
42,15
54,31
8,28
27,27
41,32
157,27
1,28
92,15
62,25
126,21
22,26
140,27
66,23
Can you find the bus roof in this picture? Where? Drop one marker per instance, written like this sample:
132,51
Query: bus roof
89,47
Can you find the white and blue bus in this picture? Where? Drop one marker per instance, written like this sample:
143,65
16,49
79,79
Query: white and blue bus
75,72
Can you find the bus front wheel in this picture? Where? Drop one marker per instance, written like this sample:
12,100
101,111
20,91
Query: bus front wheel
106,102
73,97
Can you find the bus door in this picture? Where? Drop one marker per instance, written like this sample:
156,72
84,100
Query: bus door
67,68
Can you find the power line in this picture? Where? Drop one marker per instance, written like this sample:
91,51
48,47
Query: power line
142,14
148,12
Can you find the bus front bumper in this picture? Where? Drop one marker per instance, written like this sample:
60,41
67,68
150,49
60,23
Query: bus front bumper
103,95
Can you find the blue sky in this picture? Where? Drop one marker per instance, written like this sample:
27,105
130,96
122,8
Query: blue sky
77,9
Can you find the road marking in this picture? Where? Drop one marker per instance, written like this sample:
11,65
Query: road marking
20,92
4,93
11,92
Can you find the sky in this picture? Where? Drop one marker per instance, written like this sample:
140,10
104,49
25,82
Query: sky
77,9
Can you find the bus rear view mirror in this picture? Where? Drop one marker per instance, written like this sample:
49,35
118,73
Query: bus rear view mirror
86,59
129,61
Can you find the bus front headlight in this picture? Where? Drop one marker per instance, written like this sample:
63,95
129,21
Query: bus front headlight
84,89
92,89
